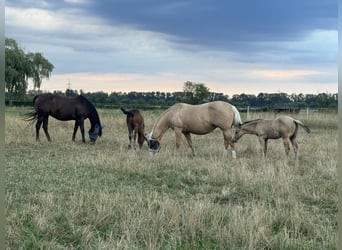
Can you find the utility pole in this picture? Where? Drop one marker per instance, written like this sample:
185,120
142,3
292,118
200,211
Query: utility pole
69,84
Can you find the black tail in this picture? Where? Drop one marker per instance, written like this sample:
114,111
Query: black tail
127,112
30,116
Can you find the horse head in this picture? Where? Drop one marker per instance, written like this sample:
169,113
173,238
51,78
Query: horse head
237,134
153,144
96,133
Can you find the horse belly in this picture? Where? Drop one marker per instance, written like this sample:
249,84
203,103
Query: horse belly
199,129
63,117
274,135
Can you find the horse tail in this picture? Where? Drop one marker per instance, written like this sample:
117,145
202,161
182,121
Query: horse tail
307,129
34,98
30,116
127,112
93,115
33,115
237,118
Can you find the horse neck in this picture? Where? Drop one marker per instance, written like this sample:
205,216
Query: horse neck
161,126
249,128
94,119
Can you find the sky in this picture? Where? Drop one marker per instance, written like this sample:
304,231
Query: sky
232,47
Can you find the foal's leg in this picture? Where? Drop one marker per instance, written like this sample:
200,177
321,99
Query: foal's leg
141,137
228,141
188,139
178,133
136,127
75,130
263,143
286,142
45,127
295,146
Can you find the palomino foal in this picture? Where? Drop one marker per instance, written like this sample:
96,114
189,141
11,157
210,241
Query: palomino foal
135,125
284,127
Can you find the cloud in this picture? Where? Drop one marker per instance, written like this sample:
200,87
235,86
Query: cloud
222,24
226,45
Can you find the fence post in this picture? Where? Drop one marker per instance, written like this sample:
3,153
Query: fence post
248,112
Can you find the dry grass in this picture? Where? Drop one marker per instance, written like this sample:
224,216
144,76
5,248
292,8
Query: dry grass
69,195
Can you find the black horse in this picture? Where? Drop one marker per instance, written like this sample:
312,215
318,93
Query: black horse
65,108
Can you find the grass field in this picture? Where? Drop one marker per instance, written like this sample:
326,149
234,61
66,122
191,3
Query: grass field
69,195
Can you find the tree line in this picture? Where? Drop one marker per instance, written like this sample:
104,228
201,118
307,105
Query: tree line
149,100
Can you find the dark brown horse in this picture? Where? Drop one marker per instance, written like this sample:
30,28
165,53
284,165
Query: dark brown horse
284,127
65,108
136,126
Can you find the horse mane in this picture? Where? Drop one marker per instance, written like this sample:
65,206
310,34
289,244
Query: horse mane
93,115
250,121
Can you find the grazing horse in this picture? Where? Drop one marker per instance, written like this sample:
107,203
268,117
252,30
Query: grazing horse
136,126
200,119
284,127
65,108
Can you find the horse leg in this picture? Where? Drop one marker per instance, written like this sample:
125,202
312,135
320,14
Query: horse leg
286,142
228,141
178,132
45,127
188,139
135,136
75,130
141,137
295,147
130,137
38,125
263,143
81,123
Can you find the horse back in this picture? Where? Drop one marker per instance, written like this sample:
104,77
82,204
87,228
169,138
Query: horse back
61,107
134,119
203,117
276,128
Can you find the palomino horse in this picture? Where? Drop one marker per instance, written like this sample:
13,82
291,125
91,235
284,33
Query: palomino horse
200,119
284,127
136,126
65,108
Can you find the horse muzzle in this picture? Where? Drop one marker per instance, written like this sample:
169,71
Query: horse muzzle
153,146
93,137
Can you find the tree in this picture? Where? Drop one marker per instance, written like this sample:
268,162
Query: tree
19,67
40,68
195,93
